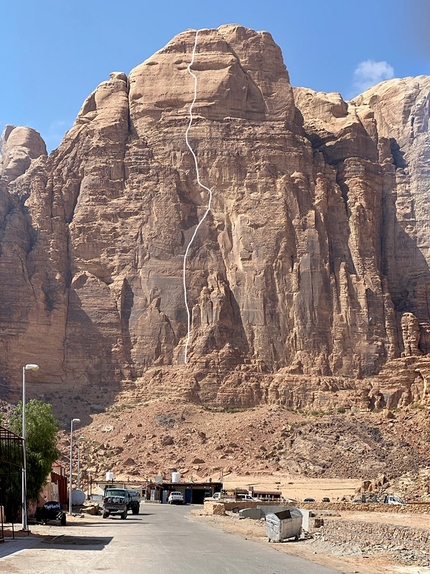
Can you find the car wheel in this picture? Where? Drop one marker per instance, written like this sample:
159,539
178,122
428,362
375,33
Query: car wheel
105,514
124,515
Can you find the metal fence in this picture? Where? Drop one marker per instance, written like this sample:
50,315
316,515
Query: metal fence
11,464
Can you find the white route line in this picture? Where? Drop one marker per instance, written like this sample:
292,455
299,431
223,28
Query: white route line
201,185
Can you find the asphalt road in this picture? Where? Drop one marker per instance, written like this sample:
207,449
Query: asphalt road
163,539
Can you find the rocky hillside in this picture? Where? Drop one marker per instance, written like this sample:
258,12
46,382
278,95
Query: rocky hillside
307,283
140,440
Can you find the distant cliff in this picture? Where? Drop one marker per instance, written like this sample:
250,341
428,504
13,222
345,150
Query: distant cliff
313,263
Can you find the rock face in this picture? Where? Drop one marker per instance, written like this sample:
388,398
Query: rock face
313,260
18,146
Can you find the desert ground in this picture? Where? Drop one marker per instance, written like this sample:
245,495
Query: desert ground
350,559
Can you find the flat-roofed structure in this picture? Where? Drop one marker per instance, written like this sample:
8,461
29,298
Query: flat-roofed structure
266,495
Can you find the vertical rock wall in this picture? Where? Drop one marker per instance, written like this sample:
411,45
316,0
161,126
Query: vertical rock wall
315,246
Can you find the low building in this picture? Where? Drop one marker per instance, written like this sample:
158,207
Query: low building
56,487
194,492
158,491
266,495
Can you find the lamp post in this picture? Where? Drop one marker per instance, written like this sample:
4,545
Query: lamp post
71,452
79,461
29,367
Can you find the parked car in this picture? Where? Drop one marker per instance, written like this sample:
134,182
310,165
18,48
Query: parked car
393,499
118,501
215,496
245,497
219,495
325,499
309,500
176,497
51,511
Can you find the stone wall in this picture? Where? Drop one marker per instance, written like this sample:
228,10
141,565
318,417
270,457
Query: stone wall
214,507
418,508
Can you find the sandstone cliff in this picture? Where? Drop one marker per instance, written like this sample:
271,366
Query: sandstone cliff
311,270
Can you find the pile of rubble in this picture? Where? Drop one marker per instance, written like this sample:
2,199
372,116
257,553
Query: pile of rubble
401,543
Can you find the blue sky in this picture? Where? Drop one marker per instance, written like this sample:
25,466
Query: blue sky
53,53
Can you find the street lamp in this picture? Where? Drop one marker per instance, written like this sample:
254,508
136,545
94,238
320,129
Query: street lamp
29,367
71,452
79,461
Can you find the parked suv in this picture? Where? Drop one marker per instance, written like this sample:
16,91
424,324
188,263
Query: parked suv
118,501
176,497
